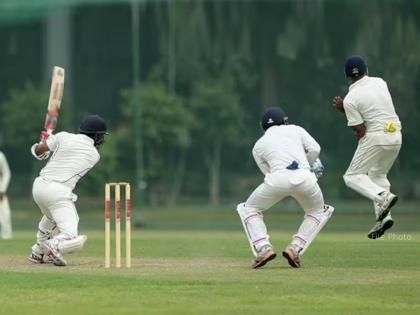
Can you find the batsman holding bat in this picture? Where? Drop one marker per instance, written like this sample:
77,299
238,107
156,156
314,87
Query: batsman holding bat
371,114
288,157
73,155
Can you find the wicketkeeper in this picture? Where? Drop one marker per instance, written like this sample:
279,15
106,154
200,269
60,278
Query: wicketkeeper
288,157
72,156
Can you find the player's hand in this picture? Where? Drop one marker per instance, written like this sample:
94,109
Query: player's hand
338,103
317,168
43,136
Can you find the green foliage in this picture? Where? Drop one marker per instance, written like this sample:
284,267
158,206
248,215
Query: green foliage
22,116
218,121
218,114
223,62
165,119
166,128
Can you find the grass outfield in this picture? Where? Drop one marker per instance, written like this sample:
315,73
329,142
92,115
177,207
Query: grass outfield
207,272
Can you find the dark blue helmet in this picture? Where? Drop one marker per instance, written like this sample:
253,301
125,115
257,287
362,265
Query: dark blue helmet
273,116
93,124
355,66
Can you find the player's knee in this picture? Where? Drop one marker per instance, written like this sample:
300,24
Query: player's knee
73,244
349,179
245,211
346,179
81,240
320,214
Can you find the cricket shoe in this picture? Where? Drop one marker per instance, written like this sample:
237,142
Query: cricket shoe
36,258
39,259
50,248
386,205
380,227
292,257
265,254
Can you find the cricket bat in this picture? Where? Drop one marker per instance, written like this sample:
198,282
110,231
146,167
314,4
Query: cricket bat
54,102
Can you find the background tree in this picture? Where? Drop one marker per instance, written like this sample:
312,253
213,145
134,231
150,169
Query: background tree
166,125
218,122
287,53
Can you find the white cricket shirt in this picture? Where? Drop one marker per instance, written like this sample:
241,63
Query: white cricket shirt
281,145
4,173
73,155
369,101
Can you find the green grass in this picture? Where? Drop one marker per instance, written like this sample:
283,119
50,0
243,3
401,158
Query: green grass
204,272
197,261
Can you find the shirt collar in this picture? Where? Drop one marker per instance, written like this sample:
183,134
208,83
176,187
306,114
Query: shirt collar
272,128
358,82
87,138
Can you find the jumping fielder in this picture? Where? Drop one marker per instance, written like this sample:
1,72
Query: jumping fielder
371,114
288,157
5,216
72,156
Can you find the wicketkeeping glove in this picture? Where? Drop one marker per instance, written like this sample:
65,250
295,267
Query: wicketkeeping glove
317,168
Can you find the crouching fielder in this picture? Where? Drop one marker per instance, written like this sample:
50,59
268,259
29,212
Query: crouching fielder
73,155
288,157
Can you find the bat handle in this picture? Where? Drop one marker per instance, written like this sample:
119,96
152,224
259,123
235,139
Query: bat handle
44,135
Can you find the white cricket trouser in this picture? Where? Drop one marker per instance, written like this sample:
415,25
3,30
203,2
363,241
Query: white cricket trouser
300,184
5,219
60,219
374,157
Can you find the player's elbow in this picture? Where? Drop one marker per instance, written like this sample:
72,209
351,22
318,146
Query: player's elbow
315,149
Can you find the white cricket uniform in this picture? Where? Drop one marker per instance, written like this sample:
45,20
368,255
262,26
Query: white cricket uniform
369,102
274,152
73,155
5,215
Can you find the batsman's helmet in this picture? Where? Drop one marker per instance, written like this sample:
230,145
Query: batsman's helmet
355,66
93,124
273,116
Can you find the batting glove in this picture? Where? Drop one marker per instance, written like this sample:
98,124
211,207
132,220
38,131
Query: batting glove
43,135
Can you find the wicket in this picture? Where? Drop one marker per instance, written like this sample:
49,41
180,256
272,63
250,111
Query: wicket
117,199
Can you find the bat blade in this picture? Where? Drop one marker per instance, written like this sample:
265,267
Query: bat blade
54,102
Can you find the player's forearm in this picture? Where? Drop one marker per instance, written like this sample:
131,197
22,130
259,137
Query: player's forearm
39,152
263,168
41,148
312,152
359,130
312,156
338,103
